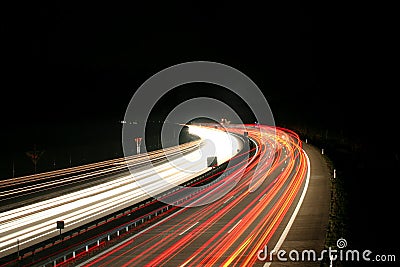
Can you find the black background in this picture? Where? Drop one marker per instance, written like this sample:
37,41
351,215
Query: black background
69,72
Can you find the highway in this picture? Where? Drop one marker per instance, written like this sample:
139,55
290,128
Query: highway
20,191
35,221
231,230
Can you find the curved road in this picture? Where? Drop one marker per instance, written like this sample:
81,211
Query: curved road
30,224
231,230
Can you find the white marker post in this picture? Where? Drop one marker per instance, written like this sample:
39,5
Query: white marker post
334,173
138,141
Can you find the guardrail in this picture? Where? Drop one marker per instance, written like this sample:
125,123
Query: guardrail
76,253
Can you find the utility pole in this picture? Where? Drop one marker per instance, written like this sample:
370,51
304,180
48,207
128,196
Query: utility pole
18,249
35,156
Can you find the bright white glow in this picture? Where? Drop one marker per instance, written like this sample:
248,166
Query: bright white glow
223,145
36,222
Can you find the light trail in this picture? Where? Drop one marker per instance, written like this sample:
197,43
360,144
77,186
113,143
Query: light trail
231,230
49,180
36,222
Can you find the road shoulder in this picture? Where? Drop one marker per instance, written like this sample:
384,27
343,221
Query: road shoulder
308,231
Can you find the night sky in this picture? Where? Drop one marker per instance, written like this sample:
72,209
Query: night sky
319,64
69,72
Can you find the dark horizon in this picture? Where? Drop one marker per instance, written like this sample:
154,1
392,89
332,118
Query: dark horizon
73,65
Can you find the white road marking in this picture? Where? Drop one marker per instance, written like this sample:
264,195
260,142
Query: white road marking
289,225
188,229
234,227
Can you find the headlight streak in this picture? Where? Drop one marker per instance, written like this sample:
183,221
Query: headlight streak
36,222
53,178
237,241
110,167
